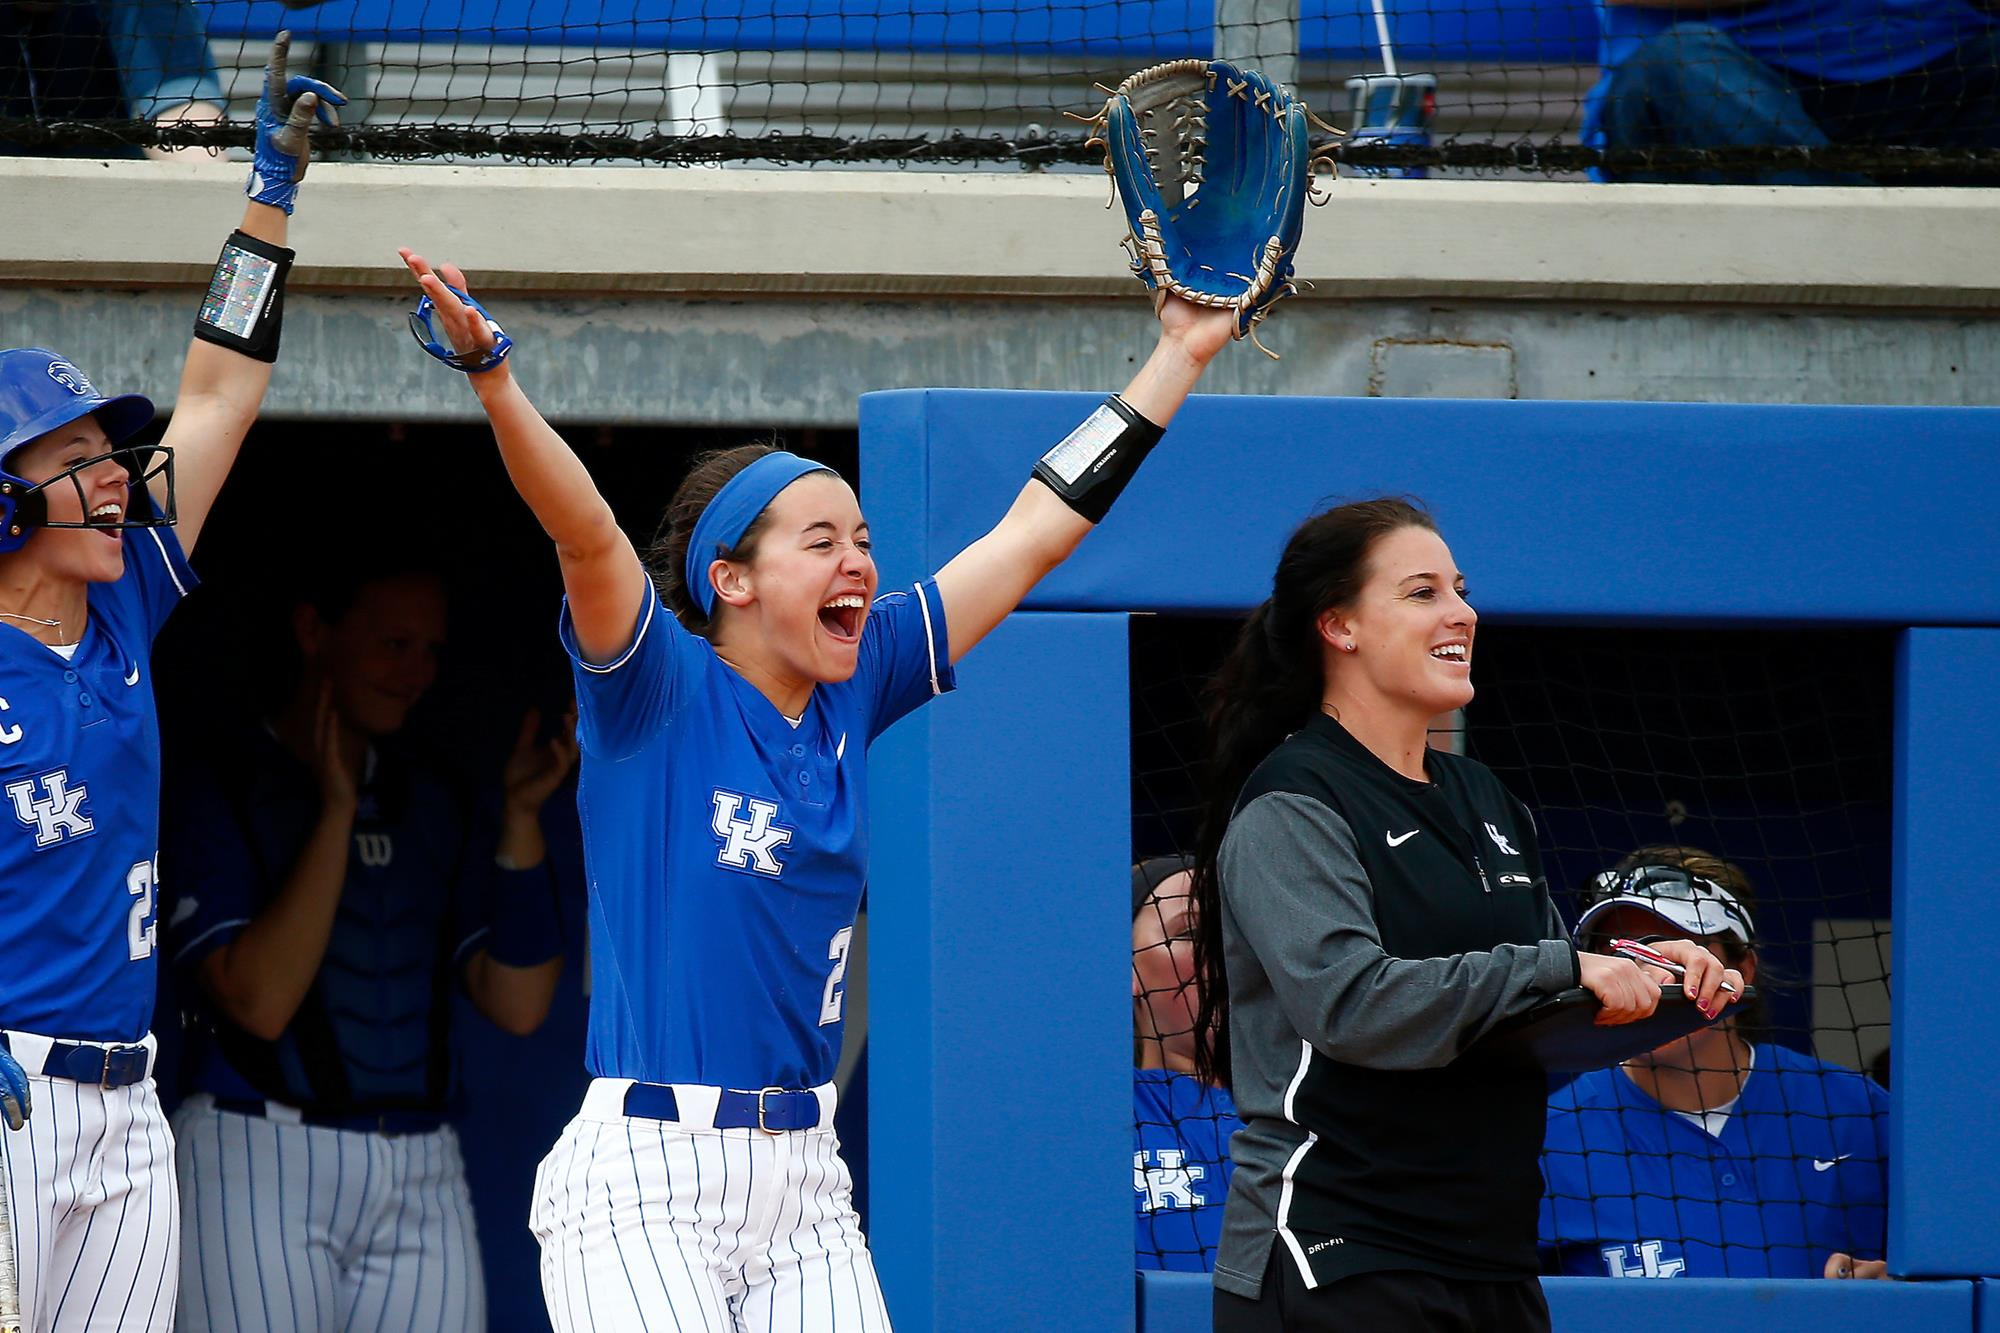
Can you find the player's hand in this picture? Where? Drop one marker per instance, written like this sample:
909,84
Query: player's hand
1706,975
286,110
1201,331
537,767
468,331
1846,1265
339,783
15,1102
1625,992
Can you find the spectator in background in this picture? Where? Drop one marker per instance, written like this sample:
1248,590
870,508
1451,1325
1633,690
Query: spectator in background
106,60
1180,1125
327,892
1808,73
1712,1156
503,1129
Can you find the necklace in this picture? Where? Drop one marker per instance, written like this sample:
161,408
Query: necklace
55,625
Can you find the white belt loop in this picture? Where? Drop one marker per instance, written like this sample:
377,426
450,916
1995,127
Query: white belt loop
30,1050
697,1104
604,1099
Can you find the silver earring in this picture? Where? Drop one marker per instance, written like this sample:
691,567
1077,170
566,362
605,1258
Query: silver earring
1347,647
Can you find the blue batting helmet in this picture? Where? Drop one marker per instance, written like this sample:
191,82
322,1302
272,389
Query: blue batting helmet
41,392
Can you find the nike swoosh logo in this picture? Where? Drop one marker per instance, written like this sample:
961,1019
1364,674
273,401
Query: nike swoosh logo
1826,1164
133,679
1395,841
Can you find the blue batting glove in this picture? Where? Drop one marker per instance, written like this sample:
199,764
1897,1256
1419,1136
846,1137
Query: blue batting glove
285,112
15,1103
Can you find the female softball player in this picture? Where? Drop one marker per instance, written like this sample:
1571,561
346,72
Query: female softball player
1365,908
1713,1155
728,686
330,891
95,1221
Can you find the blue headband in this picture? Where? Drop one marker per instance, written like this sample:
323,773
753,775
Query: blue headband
732,511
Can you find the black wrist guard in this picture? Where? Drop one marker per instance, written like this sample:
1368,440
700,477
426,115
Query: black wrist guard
245,305
1089,469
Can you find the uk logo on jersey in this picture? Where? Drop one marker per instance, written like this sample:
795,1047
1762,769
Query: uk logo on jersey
1646,1260
748,843
1168,1186
56,813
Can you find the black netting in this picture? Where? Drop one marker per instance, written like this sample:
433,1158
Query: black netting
1770,749
1782,90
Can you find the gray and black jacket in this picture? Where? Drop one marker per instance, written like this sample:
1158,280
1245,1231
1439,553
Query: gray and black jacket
1373,928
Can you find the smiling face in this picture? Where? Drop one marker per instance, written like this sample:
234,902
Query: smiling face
78,554
381,654
798,604
1410,629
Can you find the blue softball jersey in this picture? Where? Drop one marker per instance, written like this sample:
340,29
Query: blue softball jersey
1180,1168
1800,1171
371,1033
80,766
727,848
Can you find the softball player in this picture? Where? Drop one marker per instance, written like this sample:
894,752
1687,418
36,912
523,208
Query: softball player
93,539
328,893
1180,1125
1365,908
1712,1156
728,687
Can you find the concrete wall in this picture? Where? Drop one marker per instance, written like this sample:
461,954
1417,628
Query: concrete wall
695,296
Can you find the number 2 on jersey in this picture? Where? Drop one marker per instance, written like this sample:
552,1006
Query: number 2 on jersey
836,994
138,929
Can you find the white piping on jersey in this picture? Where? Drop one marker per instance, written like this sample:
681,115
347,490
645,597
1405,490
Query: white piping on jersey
168,561
1291,1165
652,600
930,639
220,925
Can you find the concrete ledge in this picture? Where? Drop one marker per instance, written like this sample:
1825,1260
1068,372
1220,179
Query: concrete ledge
699,232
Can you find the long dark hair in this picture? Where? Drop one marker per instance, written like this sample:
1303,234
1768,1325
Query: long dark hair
1267,688
666,556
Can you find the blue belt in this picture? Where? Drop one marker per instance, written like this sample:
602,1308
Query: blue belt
367,1122
773,1110
103,1066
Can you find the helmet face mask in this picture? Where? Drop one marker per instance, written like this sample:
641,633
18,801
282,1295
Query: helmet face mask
24,505
41,392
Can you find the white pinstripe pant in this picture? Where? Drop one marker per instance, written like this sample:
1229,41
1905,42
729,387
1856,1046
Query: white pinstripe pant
647,1225
96,1219
303,1229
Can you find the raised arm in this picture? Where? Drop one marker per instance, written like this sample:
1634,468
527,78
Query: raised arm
988,579
236,335
601,572
512,978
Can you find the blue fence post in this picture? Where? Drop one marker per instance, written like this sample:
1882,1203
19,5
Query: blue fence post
1000,1011
1944,1146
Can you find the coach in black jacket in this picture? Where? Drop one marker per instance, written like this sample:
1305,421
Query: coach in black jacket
1370,907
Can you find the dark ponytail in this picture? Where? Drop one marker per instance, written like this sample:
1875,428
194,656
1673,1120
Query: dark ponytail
1268,687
